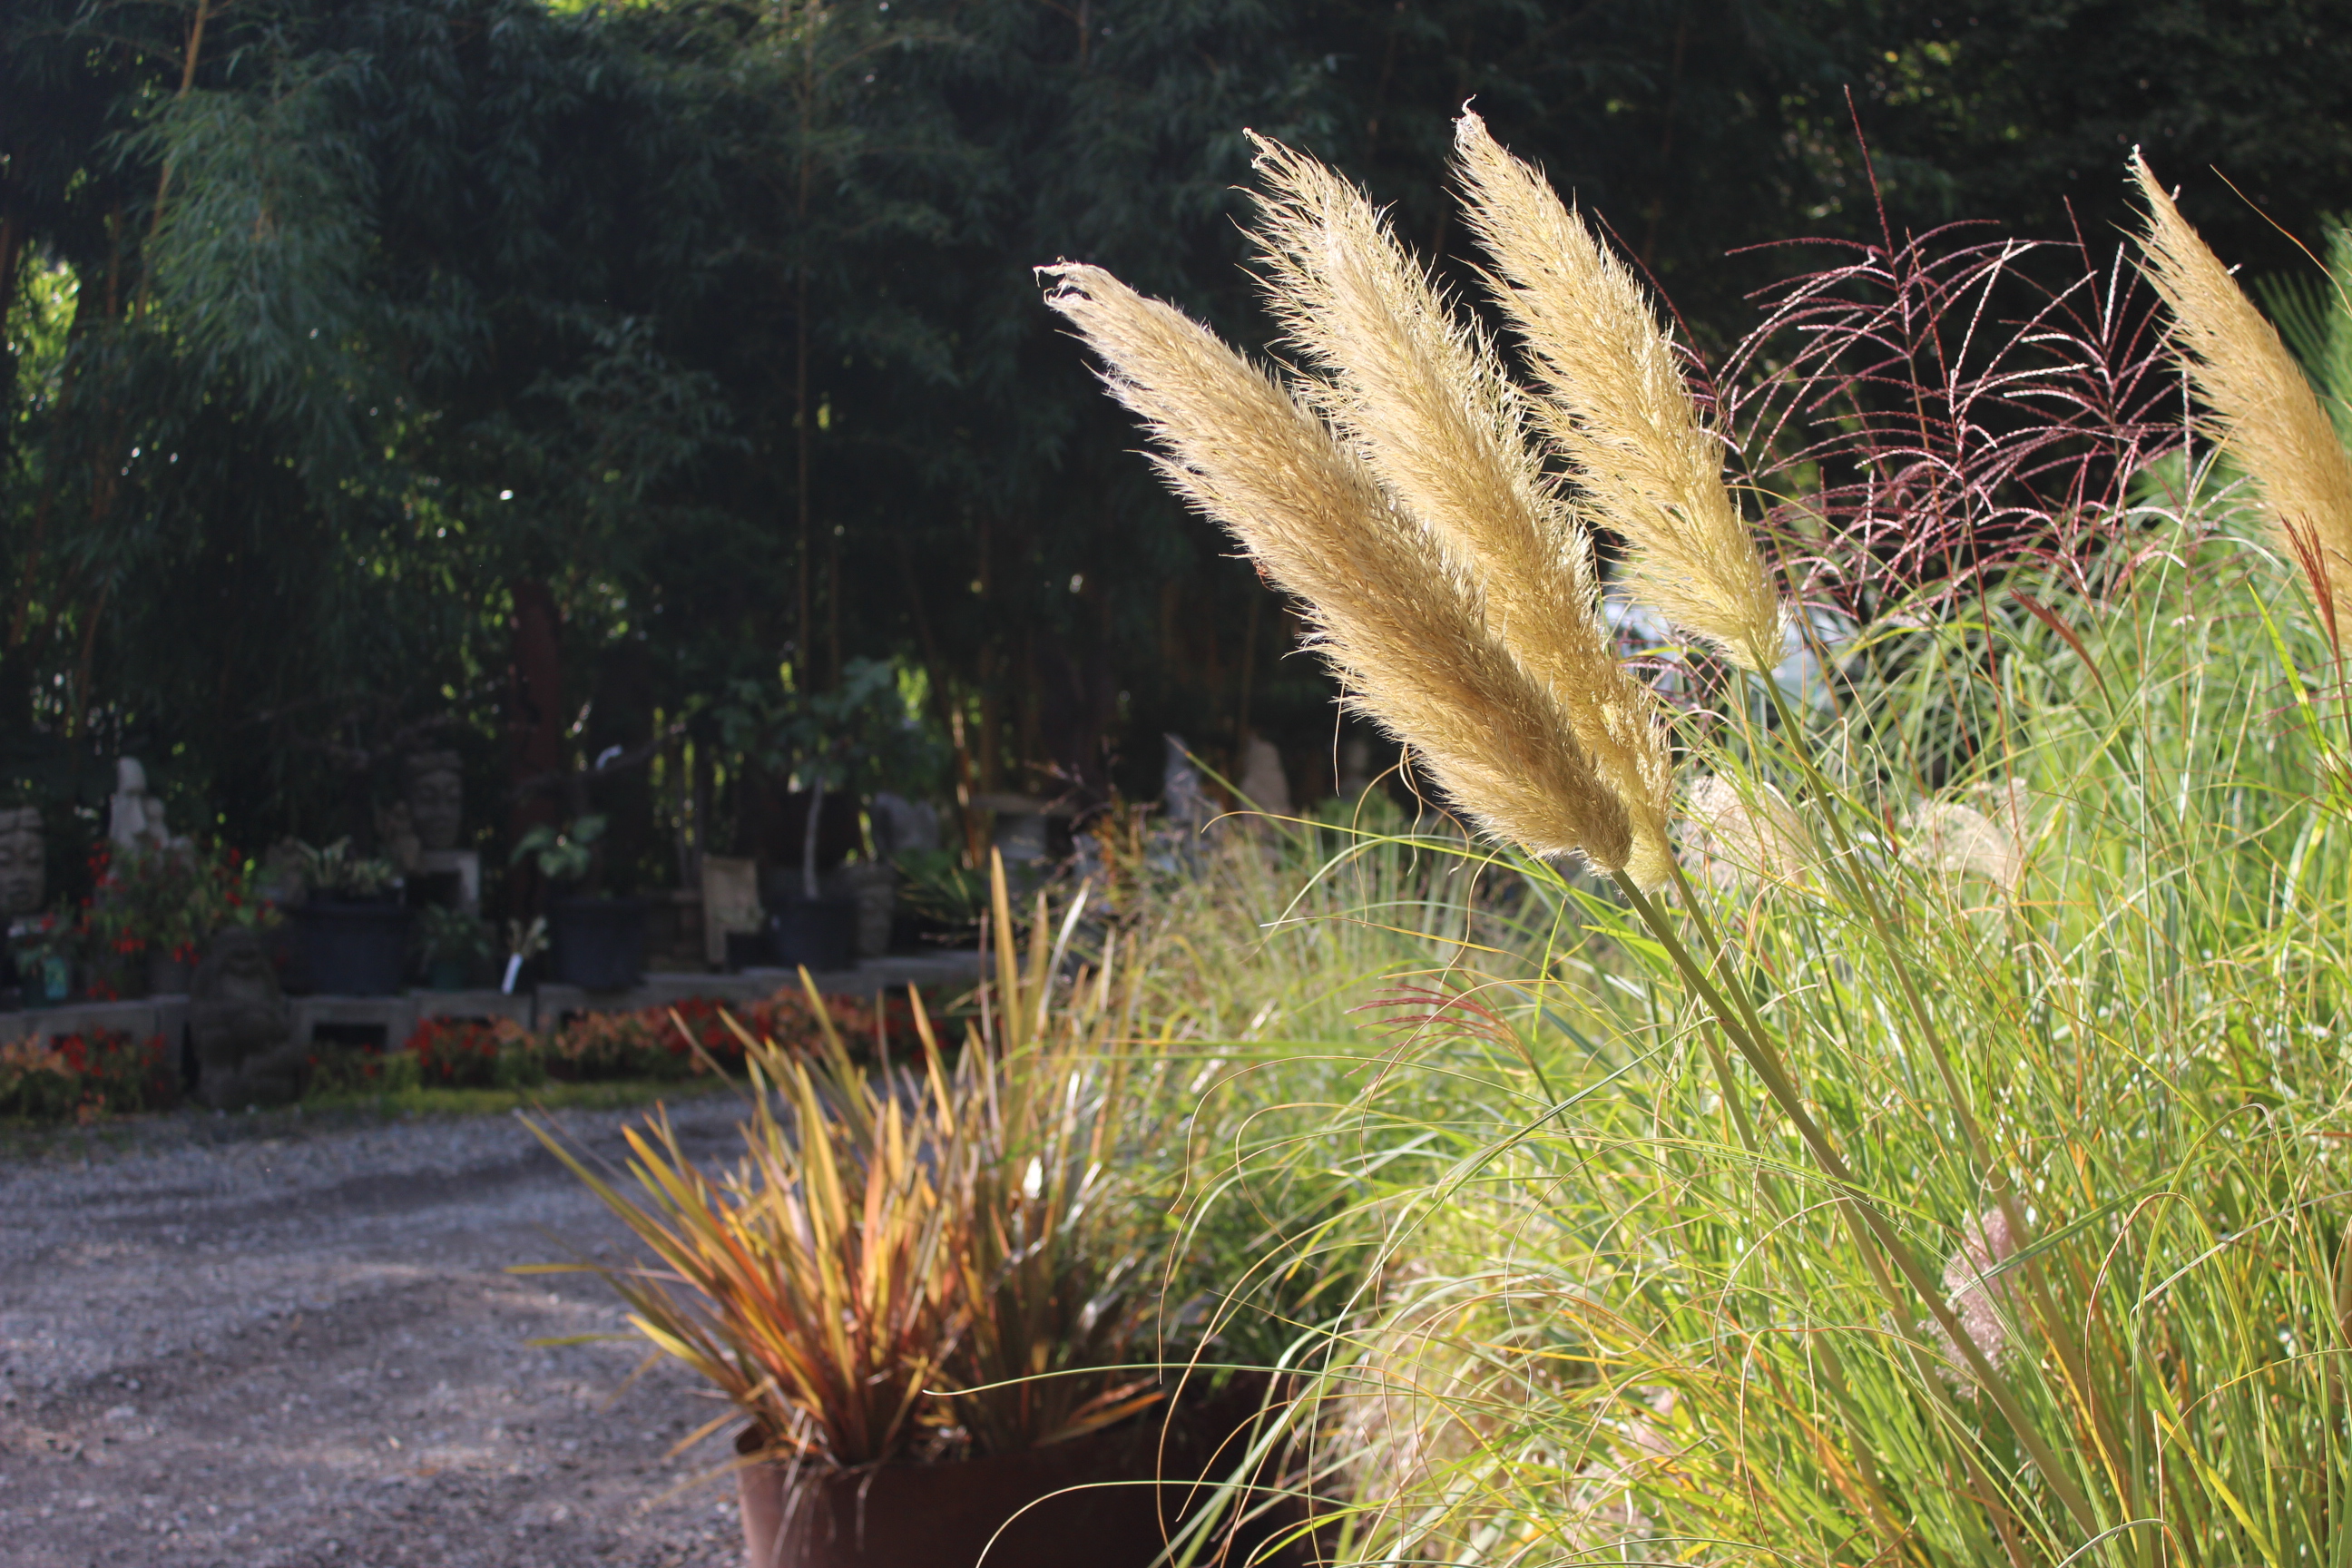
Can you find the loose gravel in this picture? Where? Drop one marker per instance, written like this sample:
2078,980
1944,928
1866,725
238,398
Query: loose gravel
259,1341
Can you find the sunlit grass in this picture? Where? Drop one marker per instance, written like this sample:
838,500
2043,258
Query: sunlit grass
1613,1308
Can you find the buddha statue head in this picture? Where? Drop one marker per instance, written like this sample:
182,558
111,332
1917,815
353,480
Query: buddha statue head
23,862
436,794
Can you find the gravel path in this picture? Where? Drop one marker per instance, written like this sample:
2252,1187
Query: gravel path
248,1340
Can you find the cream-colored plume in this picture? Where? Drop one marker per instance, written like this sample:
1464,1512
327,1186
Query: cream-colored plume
1408,630
2264,412
1959,840
1735,843
1617,407
1424,402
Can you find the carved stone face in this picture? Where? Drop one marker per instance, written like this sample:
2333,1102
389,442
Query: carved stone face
22,862
436,799
236,969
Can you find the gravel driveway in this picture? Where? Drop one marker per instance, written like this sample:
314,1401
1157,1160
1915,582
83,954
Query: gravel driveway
259,1341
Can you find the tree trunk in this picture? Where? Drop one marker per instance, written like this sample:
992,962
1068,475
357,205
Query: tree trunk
535,721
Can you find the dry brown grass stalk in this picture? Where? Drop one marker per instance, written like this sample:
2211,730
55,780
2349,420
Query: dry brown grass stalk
1408,629
1421,398
2264,412
1617,407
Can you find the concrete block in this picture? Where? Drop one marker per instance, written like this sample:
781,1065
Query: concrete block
473,1006
394,1016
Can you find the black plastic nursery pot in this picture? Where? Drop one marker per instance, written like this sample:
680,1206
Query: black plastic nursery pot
354,948
597,945
817,934
749,950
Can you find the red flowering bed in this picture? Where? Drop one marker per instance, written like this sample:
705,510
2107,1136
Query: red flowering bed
453,1052
83,1077
653,1041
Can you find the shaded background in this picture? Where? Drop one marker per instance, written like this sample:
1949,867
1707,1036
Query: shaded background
596,389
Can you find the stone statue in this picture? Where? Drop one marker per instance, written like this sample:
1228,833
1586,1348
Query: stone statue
246,1052
134,818
1355,767
23,863
435,794
901,825
1185,803
1264,783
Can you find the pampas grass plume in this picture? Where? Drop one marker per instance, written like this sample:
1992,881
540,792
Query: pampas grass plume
2264,412
1408,629
1422,400
1617,407
1734,842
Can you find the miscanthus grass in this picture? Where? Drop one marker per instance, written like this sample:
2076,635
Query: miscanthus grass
1936,1155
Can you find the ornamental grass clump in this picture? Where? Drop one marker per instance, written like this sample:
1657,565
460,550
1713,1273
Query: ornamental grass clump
1945,1166
925,1261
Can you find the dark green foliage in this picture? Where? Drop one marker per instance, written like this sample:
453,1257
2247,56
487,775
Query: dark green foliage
711,325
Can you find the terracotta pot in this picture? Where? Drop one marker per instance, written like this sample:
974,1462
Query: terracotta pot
1110,1500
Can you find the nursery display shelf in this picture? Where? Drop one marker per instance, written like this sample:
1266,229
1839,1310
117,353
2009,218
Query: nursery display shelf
540,1008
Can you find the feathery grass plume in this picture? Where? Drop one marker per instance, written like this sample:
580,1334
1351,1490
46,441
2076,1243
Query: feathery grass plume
1406,630
2264,411
1732,842
1424,403
1979,1296
1617,407
1959,840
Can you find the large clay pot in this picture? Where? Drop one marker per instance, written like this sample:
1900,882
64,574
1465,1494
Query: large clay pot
598,944
1110,1500
355,948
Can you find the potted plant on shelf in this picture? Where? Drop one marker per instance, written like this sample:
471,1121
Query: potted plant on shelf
155,906
452,944
354,933
923,1290
597,943
837,744
44,949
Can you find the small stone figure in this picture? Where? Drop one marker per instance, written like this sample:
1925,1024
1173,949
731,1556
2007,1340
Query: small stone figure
1185,804
1264,783
23,863
902,825
246,1053
437,798
1355,767
134,818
